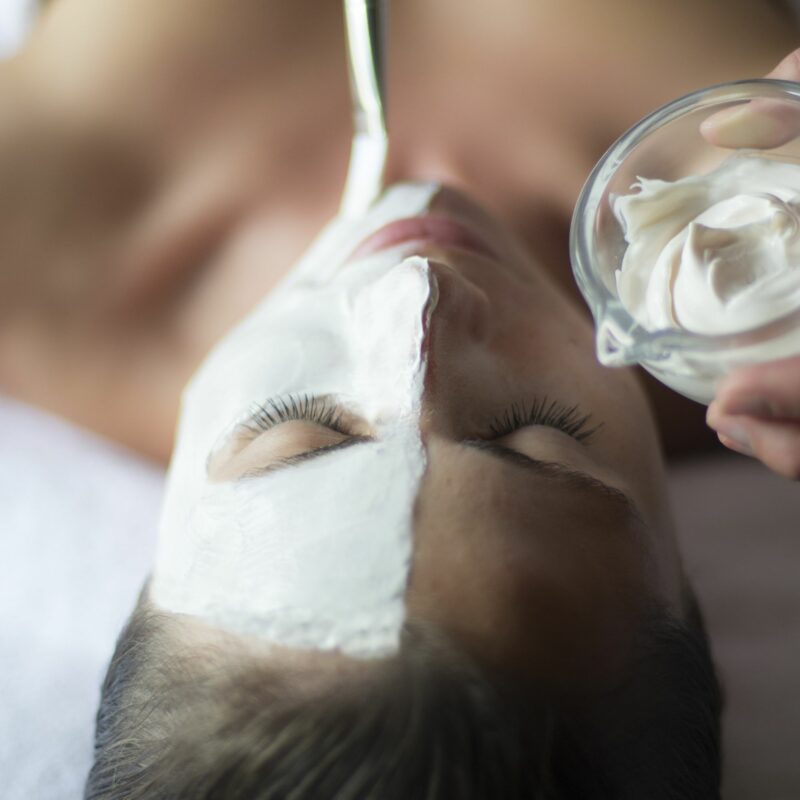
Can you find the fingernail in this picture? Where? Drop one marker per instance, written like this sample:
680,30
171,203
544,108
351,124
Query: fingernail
734,436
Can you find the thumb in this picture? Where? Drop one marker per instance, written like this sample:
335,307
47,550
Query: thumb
758,123
757,412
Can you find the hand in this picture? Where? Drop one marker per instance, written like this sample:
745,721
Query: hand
757,409
757,412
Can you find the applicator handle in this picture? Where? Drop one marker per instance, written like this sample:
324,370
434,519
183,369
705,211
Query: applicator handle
366,24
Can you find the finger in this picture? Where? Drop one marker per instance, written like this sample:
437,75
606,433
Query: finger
768,391
759,123
775,444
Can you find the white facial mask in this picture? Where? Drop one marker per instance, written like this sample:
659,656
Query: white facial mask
315,555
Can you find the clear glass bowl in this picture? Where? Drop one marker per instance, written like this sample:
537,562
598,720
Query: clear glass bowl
668,145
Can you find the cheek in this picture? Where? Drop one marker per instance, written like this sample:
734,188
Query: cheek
537,324
550,352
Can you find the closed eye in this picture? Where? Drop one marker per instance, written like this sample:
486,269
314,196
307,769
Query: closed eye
543,411
545,430
283,432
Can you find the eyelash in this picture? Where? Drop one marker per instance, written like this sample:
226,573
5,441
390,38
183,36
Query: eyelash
542,411
321,410
297,407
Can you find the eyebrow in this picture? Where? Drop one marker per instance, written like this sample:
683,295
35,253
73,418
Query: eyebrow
564,474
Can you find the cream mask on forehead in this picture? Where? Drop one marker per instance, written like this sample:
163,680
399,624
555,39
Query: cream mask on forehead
316,554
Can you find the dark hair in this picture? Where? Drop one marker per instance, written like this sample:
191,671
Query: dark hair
202,723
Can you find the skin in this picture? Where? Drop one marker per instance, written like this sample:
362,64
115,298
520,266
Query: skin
196,196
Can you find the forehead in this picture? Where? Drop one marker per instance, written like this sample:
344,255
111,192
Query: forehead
536,574
315,557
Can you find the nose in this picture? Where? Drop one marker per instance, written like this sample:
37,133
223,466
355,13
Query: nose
458,346
462,308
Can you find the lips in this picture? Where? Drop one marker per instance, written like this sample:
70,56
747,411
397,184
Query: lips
430,229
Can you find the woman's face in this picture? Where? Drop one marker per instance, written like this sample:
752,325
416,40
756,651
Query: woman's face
414,427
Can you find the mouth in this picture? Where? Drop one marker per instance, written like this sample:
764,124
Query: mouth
436,230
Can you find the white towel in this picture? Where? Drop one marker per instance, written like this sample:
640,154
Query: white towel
77,531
